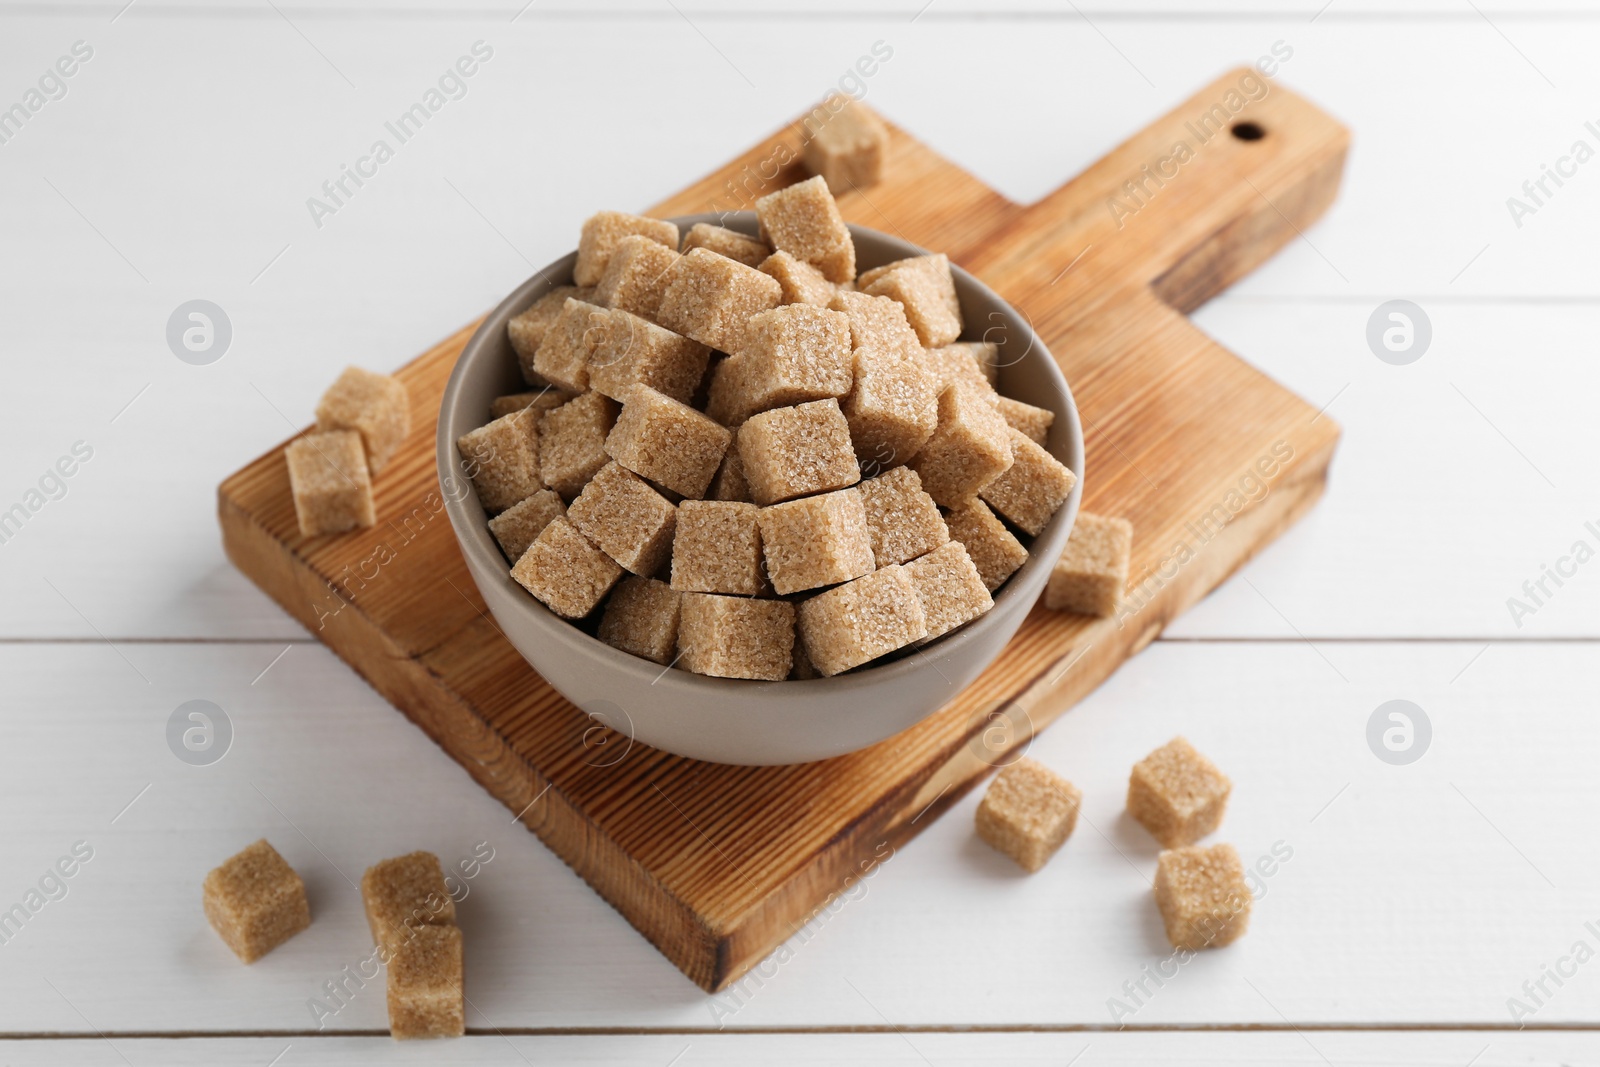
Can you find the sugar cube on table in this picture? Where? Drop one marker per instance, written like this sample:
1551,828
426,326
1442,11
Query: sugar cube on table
425,997
969,448
725,242
1034,423
710,298
877,323
403,893
603,231
516,527
718,548
735,637
815,541
804,221
373,405
330,483
995,551
802,283
636,276
255,901
903,521
926,287
670,443
892,409
1092,573
1028,812
861,620
563,355
793,354
1032,489
540,400
626,519
502,459
797,451
641,618
572,441
568,574
633,351
849,146
951,589
1203,896
1177,794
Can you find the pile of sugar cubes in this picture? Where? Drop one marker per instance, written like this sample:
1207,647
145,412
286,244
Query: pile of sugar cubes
740,458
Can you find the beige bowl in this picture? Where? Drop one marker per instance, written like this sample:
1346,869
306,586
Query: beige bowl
726,720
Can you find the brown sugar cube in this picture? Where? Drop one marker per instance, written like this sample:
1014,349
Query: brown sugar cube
516,527
970,447
502,459
797,451
1093,570
951,589
572,442
861,620
711,297
1034,423
804,221
718,548
403,893
526,330
739,247
540,400
729,484
793,354
802,283
1032,489
1028,812
603,231
995,551
985,353
626,519
892,410
563,355
641,618
736,637
330,483
1177,794
565,572
373,405
926,287
952,365
636,276
877,323
849,147
632,351
255,902
669,443
424,994
815,541
903,520
1203,896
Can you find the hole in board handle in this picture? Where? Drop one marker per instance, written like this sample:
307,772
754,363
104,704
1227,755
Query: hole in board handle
1248,131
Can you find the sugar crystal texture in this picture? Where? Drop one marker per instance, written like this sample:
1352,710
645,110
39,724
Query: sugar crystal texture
255,901
1092,573
526,330
797,451
815,541
729,484
711,299
540,400
632,351
1034,423
403,893
626,519
848,144
970,447
1028,812
903,520
877,323
641,618
804,221
1203,896
793,354
329,481
736,637
1032,489
1177,794
373,405
516,527
563,356
572,441
892,409
951,589
951,365
802,283
718,548
861,620
502,459
636,276
604,231
926,287
736,246
986,354
425,996
670,443
565,572
995,551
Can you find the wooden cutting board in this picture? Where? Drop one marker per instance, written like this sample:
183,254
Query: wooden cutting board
718,865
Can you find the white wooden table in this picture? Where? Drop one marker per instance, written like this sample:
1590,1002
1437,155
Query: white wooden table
1419,899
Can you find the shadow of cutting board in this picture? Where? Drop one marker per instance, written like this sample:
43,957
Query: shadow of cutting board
718,865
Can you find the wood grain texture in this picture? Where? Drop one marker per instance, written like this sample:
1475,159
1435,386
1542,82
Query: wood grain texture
717,865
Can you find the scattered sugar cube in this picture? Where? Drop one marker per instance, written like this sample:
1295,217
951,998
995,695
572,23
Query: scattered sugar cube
804,221
793,354
995,551
815,541
526,330
802,283
718,548
1177,794
1093,570
892,409
903,520
330,483
1032,489
877,323
572,441
401,894
729,484
516,527
1203,896
604,231
710,298
626,519
636,276
970,447
797,451
424,995
861,620
373,405
735,637
849,148
739,247
632,351
1028,812
668,442
541,400
565,572
1033,422
926,287
563,356
641,618
255,901
502,459
951,365
952,591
